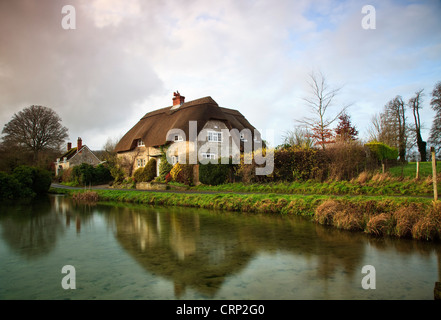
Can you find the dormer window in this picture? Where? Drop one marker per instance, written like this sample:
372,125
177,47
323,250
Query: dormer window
140,143
177,138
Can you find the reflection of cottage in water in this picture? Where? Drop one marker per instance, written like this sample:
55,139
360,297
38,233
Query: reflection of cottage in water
175,246
195,251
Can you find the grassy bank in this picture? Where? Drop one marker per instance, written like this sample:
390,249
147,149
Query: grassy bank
406,217
365,184
408,170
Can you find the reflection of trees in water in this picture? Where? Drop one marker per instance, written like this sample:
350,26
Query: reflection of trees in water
32,228
78,212
200,250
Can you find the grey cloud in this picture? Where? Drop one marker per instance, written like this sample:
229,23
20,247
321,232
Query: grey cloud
88,75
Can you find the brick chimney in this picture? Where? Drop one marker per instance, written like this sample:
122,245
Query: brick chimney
177,99
79,144
69,146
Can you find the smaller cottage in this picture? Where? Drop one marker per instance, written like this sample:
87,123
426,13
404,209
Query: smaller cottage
76,156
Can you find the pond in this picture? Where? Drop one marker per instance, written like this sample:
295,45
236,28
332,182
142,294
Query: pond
123,251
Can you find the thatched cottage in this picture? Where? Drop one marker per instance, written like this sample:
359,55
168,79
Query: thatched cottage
199,127
76,156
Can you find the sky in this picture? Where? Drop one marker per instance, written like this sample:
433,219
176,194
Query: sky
102,64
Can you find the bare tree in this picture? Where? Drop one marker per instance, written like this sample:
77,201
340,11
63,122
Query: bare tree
320,100
396,117
435,131
35,129
300,137
375,128
415,105
390,126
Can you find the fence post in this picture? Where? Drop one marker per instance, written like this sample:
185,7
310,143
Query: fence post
435,189
417,170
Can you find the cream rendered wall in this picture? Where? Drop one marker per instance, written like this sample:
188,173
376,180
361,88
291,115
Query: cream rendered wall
129,160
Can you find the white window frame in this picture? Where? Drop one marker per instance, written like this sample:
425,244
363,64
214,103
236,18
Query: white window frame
140,143
214,136
175,160
140,162
208,155
177,138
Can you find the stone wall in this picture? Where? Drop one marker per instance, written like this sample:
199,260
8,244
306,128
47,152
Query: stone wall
84,156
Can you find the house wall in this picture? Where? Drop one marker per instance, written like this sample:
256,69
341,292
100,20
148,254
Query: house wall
84,156
60,166
216,147
129,160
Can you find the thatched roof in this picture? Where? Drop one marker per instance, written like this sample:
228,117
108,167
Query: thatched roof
153,127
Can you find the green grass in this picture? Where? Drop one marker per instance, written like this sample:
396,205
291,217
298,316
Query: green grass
375,187
259,202
409,170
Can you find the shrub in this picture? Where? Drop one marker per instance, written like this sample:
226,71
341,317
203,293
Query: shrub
102,174
147,173
66,175
86,174
185,174
138,175
214,173
33,180
9,186
164,166
300,164
283,164
175,171
381,153
150,169
246,170
24,176
83,174
309,164
346,160
117,173
41,181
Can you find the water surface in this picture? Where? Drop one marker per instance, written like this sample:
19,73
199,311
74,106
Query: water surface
122,251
